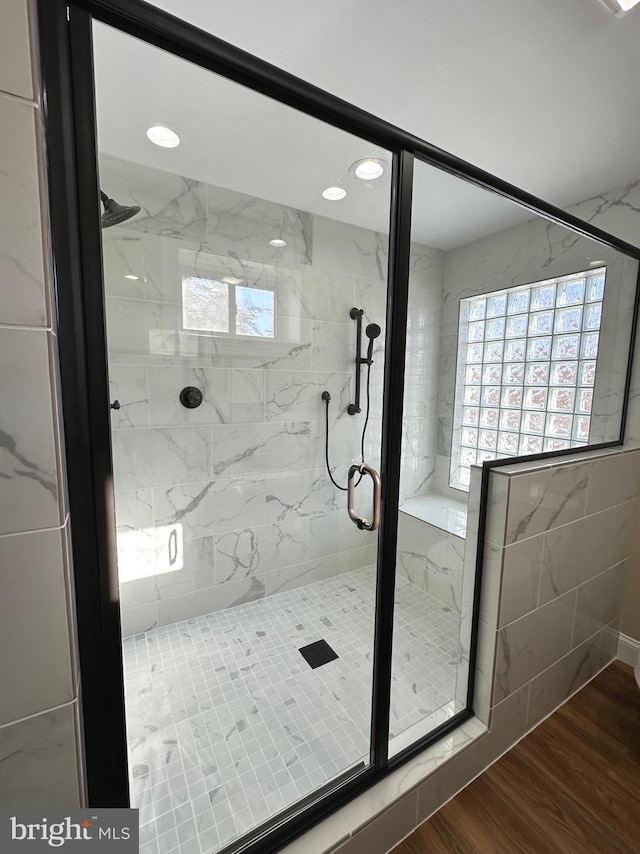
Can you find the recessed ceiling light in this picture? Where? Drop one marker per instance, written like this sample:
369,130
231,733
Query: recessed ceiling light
164,137
619,7
277,242
231,280
334,194
368,169
132,277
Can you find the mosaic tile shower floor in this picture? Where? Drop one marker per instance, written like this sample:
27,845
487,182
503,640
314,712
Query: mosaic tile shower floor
228,724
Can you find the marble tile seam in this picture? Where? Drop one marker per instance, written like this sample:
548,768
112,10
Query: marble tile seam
563,525
564,593
60,527
19,327
10,96
549,667
45,711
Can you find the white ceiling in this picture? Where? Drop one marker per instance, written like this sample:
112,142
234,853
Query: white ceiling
542,93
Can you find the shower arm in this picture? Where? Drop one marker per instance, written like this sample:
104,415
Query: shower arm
357,314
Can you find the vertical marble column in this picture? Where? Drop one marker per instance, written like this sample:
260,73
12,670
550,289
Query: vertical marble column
40,750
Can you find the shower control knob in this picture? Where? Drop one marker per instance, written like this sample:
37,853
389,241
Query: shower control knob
191,397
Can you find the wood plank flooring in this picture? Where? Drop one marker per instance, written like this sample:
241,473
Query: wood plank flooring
571,786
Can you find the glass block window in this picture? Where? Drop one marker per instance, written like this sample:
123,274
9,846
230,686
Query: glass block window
526,370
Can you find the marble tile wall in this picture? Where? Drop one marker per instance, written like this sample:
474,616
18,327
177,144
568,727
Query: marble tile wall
40,755
231,501
555,560
431,558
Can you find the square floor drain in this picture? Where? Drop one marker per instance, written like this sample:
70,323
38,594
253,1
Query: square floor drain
318,653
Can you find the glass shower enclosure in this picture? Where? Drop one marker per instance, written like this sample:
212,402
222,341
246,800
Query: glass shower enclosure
304,343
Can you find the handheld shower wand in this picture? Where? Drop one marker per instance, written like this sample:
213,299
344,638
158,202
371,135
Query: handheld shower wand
372,332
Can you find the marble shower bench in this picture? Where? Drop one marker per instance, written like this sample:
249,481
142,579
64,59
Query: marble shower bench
431,543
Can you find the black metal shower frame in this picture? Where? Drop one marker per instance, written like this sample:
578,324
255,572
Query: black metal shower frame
68,102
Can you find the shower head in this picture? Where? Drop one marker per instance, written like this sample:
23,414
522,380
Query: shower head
372,331
114,213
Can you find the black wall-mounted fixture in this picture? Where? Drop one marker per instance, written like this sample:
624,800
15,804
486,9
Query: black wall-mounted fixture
114,213
372,331
115,404
191,397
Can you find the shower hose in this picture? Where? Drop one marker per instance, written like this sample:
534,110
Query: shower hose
327,398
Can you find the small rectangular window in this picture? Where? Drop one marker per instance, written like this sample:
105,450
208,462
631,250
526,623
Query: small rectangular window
224,308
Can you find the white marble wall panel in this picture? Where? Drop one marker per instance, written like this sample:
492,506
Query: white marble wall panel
255,551
40,745
143,332
242,226
624,530
22,289
572,554
245,449
147,458
349,250
292,350
554,687
229,396
613,480
552,600
194,571
128,384
135,621
303,493
15,59
546,499
29,487
123,263
333,346
212,599
430,558
38,761
520,579
170,205
34,578
598,602
529,645
211,507
297,395
291,577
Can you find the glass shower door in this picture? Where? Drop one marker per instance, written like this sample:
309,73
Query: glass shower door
245,305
